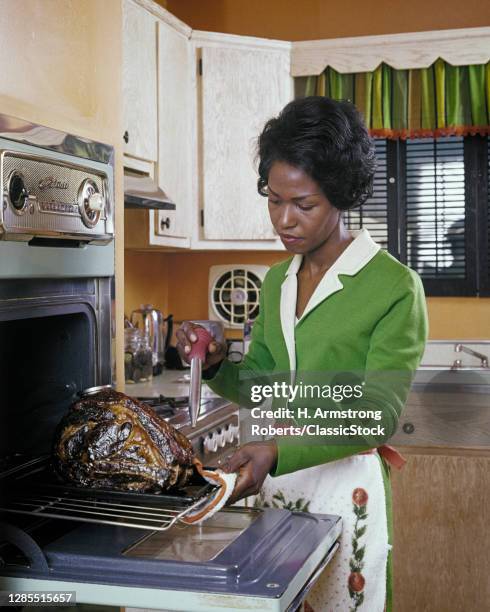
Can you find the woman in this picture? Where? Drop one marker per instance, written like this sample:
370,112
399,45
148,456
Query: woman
339,304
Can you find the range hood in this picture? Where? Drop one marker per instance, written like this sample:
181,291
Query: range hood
141,191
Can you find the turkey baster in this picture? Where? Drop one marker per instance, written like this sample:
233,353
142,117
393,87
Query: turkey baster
197,356
224,483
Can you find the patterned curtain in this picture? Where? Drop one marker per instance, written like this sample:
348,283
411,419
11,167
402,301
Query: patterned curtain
441,100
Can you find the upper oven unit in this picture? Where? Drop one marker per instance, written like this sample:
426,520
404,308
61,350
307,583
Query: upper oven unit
48,197
58,206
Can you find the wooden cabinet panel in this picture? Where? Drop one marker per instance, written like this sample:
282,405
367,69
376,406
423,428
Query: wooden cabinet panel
441,535
240,90
174,130
139,81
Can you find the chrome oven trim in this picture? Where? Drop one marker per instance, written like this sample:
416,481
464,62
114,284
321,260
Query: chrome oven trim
22,131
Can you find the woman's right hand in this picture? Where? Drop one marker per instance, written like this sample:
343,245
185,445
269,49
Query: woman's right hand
253,462
185,339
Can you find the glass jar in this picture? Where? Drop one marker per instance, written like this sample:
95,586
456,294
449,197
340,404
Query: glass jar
138,366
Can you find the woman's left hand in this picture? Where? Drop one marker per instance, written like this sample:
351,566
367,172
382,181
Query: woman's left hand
253,461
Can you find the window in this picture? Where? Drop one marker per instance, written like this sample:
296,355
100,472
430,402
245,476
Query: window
430,208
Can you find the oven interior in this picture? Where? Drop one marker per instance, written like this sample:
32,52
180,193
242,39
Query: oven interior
54,342
44,363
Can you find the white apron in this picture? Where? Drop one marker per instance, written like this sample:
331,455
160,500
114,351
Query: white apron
353,488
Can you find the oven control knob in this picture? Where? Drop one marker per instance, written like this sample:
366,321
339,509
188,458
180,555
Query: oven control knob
221,438
90,203
96,201
229,434
235,432
211,444
17,192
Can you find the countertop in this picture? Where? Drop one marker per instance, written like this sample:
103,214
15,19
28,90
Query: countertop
171,383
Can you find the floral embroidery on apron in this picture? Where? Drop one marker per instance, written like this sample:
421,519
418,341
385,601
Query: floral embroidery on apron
356,579
353,488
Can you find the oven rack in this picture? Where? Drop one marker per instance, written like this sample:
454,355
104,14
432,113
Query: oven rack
31,488
155,517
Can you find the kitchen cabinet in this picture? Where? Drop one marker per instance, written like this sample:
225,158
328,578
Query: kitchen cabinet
441,496
241,83
164,114
139,82
174,135
441,537
205,99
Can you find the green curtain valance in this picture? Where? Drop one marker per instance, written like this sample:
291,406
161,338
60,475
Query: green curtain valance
437,101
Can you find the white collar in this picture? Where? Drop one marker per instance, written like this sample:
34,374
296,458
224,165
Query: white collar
359,252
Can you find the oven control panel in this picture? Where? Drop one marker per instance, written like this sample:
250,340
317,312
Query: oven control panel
48,198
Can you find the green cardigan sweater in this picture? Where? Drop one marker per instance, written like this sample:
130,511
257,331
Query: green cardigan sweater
375,320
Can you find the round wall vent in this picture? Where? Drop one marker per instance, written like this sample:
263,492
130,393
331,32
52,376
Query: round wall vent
234,293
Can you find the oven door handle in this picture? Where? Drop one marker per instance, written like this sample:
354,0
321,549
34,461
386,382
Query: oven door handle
29,548
295,604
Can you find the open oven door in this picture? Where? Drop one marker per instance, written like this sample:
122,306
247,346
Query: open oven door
238,559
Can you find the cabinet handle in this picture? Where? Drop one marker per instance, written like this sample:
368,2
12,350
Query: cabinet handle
165,223
126,136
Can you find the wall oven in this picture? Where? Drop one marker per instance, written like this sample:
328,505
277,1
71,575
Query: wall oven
56,305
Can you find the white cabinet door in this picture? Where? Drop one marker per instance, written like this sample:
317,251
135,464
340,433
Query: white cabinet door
241,89
139,82
174,129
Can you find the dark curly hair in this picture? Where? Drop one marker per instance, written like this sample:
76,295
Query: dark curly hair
328,140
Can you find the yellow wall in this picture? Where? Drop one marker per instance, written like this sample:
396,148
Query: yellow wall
190,278
459,318
60,66
187,274
147,281
178,284
316,19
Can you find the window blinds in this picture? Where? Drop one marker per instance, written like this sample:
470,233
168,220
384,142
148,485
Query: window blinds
435,207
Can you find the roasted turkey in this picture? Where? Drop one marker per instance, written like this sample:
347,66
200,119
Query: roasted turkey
110,440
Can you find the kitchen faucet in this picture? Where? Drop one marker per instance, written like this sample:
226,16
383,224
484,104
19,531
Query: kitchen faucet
461,348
